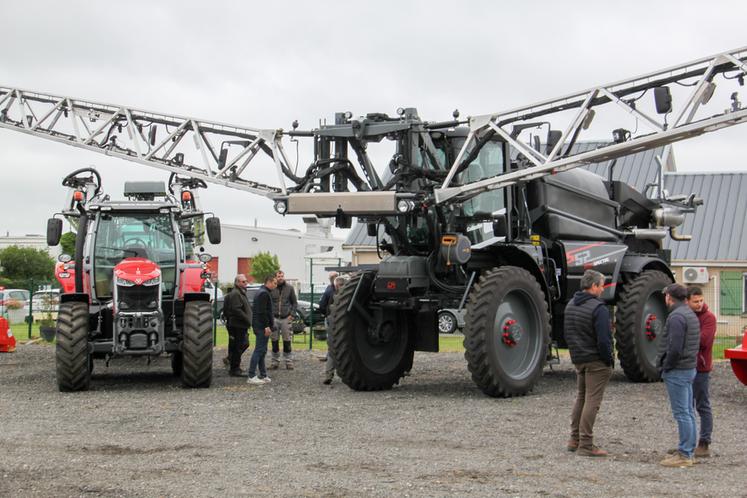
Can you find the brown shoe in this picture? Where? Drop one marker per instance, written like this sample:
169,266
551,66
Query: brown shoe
289,366
591,452
702,451
572,445
677,460
274,366
327,379
672,451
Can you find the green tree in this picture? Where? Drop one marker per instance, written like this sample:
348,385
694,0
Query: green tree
67,243
264,264
22,264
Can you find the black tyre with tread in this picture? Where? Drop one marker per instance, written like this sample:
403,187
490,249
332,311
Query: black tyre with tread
360,363
506,366
72,357
640,299
197,345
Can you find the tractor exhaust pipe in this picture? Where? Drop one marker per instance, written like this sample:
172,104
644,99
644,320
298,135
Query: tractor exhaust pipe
80,240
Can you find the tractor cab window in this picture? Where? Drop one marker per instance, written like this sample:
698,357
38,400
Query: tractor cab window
133,235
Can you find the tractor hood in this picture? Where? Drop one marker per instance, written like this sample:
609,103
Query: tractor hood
137,271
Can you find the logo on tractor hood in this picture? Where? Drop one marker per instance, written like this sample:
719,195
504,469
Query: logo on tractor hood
137,270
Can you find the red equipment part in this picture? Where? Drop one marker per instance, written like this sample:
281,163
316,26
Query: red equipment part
65,275
738,358
192,280
7,341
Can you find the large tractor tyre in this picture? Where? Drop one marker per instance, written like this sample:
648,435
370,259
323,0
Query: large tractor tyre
177,363
639,322
197,345
72,358
507,333
371,354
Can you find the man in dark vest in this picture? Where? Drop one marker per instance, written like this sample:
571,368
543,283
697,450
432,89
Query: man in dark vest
238,313
262,325
589,337
677,357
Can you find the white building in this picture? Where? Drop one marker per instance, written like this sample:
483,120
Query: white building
33,241
239,244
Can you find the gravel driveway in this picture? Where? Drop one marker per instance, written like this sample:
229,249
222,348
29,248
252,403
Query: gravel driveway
138,433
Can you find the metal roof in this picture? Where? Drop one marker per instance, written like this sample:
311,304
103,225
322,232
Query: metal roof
718,227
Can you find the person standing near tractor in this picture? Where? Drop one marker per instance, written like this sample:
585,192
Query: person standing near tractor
677,358
238,313
703,368
589,337
284,304
262,325
327,300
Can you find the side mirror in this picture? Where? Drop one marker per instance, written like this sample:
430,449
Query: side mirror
54,231
222,158
662,99
500,228
553,137
212,225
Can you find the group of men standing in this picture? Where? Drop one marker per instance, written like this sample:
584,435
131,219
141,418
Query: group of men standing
270,316
684,360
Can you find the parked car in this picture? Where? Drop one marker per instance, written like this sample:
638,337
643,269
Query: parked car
46,301
450,320
20,296
215,295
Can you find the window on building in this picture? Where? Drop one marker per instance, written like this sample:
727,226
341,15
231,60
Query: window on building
733,292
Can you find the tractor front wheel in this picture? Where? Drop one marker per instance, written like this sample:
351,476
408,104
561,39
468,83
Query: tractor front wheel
197,345
72,358
371,347
507,333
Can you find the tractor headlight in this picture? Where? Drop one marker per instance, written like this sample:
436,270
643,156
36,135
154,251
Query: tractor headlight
281,207
125,283
405,206
153,281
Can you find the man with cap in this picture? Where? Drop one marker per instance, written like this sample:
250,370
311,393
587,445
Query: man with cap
676,359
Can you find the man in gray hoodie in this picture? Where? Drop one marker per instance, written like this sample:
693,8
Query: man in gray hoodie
676,359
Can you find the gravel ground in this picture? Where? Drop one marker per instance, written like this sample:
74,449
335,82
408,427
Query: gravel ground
137,433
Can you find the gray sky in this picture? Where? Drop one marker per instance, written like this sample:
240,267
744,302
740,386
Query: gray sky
267,65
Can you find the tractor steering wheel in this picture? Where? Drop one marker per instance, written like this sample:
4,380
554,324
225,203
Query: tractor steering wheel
74,181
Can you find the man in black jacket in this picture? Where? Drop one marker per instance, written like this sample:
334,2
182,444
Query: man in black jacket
677,359
589,337
262,323
238,313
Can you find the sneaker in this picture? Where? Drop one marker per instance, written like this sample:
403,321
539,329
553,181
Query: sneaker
254,380
702,451
237,372
677,460
289,366
266,380
672,451
572,445
591,452
328,379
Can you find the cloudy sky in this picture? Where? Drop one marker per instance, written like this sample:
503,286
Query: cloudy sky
266,64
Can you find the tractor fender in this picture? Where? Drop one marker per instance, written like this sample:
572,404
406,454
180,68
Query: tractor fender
74,297
636,263
196,296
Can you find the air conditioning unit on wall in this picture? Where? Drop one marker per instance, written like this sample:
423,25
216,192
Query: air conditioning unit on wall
695,275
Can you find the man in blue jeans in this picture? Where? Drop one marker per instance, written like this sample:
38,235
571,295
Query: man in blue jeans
262,323
676,359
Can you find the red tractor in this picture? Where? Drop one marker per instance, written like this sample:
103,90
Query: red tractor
134,286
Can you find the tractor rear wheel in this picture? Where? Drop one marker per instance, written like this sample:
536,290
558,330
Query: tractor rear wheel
371,348
639,321
72,357
197,345
507,332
